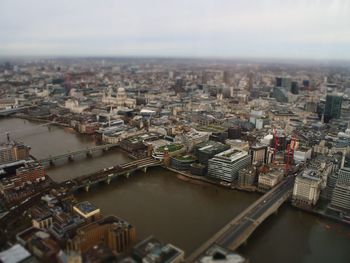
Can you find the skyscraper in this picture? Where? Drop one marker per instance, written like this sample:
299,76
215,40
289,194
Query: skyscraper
333,106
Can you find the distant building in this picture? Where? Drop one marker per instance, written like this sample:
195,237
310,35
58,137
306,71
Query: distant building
333,107
280,94
227,164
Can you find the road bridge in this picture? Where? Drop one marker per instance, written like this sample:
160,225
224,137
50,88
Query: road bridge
238,230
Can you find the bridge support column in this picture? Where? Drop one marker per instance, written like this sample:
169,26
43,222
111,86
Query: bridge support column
144,169
87,188
52,163
89,154
127,174
108,181
71,158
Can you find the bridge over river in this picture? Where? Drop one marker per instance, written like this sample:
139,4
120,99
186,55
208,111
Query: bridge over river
238,230
108,174
71,154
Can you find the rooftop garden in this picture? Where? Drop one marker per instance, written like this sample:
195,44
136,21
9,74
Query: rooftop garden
171,147
186,157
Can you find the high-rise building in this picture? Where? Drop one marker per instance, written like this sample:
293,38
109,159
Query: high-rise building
227,164
294,88
333,106
226,77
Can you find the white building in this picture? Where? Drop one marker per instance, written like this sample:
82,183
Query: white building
307,187
269,180
120,99
227,164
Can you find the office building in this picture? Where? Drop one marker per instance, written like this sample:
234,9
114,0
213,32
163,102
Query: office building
152,250
206,150
115,232
182,162
11,152
258,153
87,210
247,177
307,187
226,165
333,107
269,179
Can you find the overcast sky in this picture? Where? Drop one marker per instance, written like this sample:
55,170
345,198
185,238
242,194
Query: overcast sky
194,28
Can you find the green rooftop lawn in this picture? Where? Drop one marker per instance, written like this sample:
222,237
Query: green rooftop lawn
171,147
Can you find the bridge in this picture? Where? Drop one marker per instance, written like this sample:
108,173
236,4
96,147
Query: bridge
8,112
238,230
70,155
108,174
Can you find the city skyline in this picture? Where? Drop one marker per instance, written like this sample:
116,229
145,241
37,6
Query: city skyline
224,29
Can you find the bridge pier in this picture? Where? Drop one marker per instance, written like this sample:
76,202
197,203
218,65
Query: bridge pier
52,163
71,158
127,175
89,153
108,181
144,169
87,188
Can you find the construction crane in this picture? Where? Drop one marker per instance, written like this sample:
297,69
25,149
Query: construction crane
276,144
290,153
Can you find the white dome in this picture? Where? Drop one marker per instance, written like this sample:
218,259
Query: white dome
121,90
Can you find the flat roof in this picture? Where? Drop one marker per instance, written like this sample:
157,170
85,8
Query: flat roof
85,208
15,254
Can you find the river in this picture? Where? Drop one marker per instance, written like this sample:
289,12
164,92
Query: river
183,213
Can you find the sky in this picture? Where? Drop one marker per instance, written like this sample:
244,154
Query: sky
309,29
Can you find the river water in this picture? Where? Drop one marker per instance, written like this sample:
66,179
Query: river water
183,213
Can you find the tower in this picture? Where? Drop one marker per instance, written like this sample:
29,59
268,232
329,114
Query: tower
333,106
